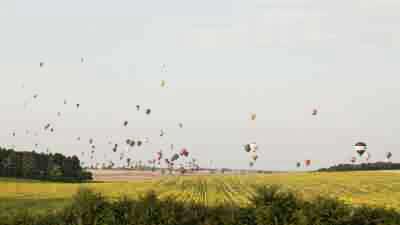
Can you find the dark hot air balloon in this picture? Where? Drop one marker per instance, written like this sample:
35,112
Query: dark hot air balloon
388,155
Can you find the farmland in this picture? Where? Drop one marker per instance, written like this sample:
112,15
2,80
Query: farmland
380,189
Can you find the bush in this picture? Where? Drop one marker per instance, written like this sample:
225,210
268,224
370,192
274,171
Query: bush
270,205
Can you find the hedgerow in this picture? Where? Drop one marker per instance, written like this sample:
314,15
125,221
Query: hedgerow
269,205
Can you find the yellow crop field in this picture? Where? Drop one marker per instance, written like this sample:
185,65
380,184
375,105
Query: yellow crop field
372,188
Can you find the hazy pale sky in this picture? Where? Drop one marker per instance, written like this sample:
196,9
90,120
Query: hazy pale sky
224,60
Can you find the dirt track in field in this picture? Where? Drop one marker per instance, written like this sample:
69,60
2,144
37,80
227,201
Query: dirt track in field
123,175
132,175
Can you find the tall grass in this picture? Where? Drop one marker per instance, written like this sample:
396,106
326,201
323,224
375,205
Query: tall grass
268,205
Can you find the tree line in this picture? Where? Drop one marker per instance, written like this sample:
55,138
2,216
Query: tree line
32,165
363,166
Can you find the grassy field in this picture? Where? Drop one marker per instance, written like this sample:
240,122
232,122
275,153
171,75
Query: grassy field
371,188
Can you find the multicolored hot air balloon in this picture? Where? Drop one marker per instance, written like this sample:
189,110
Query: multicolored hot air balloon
159,155
360,148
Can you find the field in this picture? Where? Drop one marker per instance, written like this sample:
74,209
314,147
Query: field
372,188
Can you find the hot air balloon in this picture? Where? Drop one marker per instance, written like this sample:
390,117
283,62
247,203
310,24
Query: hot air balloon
77,106
388,155
251,164
137,107
41,64
360,148
253,147
139,143
175,157
132,143
128,141
163,83
298,164
148,111
125,123
253,116
90,141
159,155
315,112
184,152
47,126
308,162
52,130
247,148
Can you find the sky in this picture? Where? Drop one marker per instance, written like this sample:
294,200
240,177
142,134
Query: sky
223,61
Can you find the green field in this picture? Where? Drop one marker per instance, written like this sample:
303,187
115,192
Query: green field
372,188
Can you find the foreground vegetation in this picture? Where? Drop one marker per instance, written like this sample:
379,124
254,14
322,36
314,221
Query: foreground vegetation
375,189
267,205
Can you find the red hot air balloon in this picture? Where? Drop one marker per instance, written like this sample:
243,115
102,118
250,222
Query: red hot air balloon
308,162
184,152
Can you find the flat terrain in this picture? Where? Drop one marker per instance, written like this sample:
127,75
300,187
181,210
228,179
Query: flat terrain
123,175
372,188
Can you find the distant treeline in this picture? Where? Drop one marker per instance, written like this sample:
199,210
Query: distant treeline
32,165
363,166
